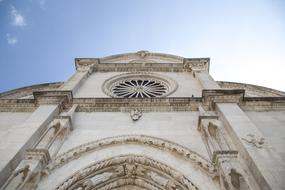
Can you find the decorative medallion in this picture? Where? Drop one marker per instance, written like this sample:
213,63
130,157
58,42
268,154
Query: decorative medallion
139,85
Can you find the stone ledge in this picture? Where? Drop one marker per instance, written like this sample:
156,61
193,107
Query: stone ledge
209,99
53,97
212,96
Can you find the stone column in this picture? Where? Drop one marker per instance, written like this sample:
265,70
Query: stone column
252,146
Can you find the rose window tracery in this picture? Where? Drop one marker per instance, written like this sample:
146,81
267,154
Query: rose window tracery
135,85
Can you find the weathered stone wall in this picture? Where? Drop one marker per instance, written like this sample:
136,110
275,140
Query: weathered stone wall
179,127
92,86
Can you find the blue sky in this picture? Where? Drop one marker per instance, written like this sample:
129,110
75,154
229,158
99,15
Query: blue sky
39,39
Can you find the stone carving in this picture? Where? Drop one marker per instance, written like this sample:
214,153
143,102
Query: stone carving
254,141
135,182
139,85
135,168
119,171
89,183
233,180
196,64
18,178
49,136
142,54
223,157
214,138
160,180
136,114
162,144
25,176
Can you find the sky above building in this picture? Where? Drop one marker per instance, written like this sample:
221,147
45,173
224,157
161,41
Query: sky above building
39,39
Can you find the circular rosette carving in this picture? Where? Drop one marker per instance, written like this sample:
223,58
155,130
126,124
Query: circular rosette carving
139,85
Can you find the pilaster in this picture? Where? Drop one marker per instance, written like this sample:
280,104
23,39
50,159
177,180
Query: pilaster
28,133
252,145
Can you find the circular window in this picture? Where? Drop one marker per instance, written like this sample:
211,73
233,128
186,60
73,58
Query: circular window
134,85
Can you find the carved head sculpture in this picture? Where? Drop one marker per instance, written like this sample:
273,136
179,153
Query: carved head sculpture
136,114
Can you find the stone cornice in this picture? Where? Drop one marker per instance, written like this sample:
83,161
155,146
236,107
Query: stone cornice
263,104
196,64
134,67
128,104
210,97
84,64
189,64
17,105
63,98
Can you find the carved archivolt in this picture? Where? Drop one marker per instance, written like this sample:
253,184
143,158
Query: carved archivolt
127,170
162,144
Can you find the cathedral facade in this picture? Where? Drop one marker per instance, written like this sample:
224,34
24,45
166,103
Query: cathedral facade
142,121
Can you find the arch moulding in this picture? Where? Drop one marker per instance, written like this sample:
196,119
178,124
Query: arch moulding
162,144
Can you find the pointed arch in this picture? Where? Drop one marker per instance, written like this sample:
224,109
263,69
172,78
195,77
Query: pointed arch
127,170
143,140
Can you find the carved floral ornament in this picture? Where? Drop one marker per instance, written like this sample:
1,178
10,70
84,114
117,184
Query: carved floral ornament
139,85
127,170
185,153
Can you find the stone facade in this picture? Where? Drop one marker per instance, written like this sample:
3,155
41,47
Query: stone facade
142,121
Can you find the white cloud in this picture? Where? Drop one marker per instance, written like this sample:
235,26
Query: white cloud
17,18
11,40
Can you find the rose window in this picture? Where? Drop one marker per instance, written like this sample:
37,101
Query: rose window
134,85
